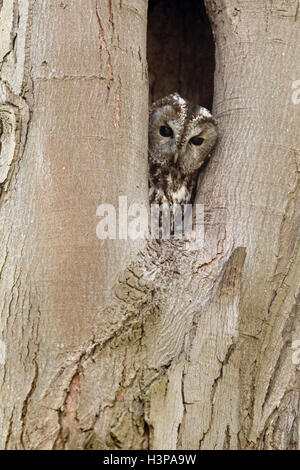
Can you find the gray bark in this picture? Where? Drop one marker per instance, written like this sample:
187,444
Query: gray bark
103,346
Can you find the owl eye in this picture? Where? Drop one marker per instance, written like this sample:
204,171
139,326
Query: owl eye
165,131
196,140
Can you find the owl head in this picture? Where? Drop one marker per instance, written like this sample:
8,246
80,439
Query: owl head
181,134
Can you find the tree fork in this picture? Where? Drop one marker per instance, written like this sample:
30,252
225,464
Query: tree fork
105,347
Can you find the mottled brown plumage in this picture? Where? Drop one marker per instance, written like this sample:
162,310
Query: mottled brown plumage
181,137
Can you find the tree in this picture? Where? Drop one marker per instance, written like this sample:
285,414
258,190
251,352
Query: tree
113,344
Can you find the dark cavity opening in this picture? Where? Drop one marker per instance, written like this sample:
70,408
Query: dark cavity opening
180,51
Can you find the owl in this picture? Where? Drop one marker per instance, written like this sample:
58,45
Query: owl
181,137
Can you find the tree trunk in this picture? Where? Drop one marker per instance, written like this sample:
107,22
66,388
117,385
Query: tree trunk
117,345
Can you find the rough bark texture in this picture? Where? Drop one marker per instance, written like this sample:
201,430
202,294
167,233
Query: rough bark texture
105,348
71,73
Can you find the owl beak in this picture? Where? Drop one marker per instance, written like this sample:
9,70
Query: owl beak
175,157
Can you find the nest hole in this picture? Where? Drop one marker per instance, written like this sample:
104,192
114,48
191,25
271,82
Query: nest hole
181,51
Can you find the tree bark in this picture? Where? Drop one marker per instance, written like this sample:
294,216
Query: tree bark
71,72
113,345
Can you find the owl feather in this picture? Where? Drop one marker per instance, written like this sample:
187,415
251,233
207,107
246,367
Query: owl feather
181,138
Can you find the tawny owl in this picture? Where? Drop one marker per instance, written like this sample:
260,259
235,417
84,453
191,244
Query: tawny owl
181,137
